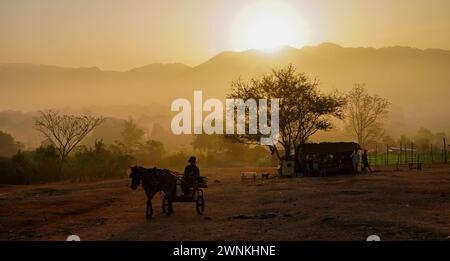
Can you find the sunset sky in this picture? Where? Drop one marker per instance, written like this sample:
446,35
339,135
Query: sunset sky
120,35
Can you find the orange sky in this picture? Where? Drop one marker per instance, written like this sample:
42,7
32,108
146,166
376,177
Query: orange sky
119,35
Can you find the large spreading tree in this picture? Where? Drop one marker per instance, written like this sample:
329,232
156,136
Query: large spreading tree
303,108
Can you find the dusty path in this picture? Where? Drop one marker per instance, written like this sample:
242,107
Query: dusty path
405,205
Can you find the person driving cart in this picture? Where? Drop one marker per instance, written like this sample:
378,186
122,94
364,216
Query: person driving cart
191,174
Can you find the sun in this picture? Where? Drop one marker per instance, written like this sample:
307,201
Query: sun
268,26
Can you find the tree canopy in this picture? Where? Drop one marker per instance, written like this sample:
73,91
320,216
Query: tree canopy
304,109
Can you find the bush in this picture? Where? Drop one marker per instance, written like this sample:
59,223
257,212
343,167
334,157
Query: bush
44,165
17,170
97,162
47,164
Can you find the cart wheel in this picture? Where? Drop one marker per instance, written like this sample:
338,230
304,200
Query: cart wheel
200,204
165,205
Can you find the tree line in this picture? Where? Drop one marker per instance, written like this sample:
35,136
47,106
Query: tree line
62,156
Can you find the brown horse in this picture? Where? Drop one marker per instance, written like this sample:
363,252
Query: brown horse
154,180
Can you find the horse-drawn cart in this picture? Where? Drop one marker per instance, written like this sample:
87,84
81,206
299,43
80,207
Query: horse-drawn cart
173,186
188,191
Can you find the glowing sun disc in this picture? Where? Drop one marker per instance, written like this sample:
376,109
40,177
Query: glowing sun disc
267,26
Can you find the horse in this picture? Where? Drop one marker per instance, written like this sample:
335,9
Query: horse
154,180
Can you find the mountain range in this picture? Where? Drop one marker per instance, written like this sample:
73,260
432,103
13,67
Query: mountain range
416,81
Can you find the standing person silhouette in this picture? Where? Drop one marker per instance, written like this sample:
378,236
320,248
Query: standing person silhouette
355,161
365,162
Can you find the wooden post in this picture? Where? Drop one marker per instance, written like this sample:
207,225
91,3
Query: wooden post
432,157
387,154
445,151
376,154
401,146
405,153
412,152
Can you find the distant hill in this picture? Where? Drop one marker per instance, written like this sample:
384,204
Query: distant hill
416,81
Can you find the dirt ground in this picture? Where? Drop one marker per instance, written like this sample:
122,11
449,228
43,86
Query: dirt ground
395,205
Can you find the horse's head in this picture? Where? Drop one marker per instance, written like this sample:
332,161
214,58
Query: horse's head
135,177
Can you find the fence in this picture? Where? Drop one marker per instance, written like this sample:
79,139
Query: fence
408,153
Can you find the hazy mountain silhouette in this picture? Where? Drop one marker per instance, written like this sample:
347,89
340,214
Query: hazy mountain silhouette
416,81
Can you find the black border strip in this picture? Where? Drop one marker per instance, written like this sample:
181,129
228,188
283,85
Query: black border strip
150,249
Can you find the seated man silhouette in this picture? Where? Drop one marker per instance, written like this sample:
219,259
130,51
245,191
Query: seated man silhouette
191,175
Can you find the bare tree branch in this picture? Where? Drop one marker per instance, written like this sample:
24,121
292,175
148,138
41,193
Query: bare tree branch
65,131
363,114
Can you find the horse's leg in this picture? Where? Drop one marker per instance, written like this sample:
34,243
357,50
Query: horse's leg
170,208
149,212
170,194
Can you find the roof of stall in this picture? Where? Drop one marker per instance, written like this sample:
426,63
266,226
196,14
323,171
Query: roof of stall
330,147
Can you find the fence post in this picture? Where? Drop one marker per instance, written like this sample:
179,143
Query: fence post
376,154
412,152
401,148
445,151
432,157
387,154
405,153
